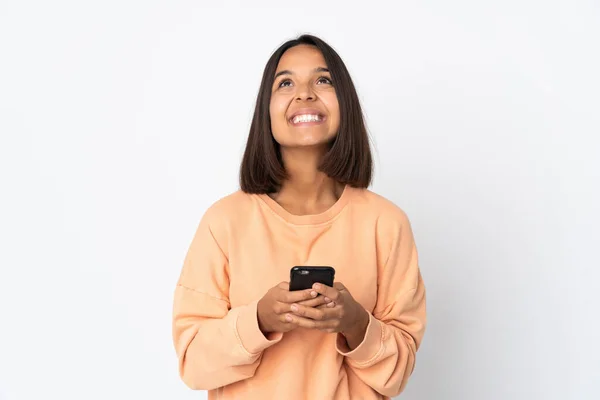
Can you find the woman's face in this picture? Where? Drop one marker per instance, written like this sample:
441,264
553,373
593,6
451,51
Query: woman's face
304,108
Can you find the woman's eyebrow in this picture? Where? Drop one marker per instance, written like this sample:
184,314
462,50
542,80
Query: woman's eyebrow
288,72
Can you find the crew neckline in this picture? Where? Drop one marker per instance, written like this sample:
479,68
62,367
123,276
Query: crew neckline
308,219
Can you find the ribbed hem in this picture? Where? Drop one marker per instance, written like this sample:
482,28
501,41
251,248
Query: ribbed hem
369,349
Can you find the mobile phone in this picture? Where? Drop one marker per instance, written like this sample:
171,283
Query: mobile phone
304,277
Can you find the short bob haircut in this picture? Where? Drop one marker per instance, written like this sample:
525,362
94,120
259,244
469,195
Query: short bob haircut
348,160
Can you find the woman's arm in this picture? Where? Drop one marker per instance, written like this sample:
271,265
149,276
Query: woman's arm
385,358
216,345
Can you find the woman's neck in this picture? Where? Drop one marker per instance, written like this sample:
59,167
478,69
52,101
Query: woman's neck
307,190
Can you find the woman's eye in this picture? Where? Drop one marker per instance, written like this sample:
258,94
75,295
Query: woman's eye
321,80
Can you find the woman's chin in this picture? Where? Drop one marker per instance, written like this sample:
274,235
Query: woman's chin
308,141
307,145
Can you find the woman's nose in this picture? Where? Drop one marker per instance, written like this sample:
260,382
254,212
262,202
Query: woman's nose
305,92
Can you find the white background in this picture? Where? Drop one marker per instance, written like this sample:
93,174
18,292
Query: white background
122,121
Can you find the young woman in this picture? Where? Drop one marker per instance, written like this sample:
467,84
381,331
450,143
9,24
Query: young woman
238,330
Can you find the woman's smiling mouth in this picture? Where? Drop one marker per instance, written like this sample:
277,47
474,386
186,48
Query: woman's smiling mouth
307,117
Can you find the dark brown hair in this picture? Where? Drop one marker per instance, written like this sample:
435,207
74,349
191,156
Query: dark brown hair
348,159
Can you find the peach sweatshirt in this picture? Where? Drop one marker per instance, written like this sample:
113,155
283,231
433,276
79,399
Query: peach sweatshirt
244,245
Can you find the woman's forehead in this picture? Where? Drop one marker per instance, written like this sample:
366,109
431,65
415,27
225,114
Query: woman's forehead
301,58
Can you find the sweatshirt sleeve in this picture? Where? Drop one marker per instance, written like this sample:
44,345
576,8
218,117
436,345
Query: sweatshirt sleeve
215,344
385,358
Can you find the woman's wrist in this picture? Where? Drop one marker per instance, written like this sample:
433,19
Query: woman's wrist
355,335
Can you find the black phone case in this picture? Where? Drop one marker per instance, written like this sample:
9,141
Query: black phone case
304,277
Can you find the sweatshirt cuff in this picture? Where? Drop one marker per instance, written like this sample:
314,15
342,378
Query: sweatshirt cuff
369,349
249,333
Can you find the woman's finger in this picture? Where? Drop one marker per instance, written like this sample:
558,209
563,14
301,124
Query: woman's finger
300,321
285,296
316,302
308,323
316,314
327,291
327,305
321,313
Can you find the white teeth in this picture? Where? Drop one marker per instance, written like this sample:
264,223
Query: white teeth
306,118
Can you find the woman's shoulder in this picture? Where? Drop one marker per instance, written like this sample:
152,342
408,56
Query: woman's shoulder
379,206
230,205
388,218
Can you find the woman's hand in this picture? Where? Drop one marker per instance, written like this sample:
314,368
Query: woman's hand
318,301
341,313
274,305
